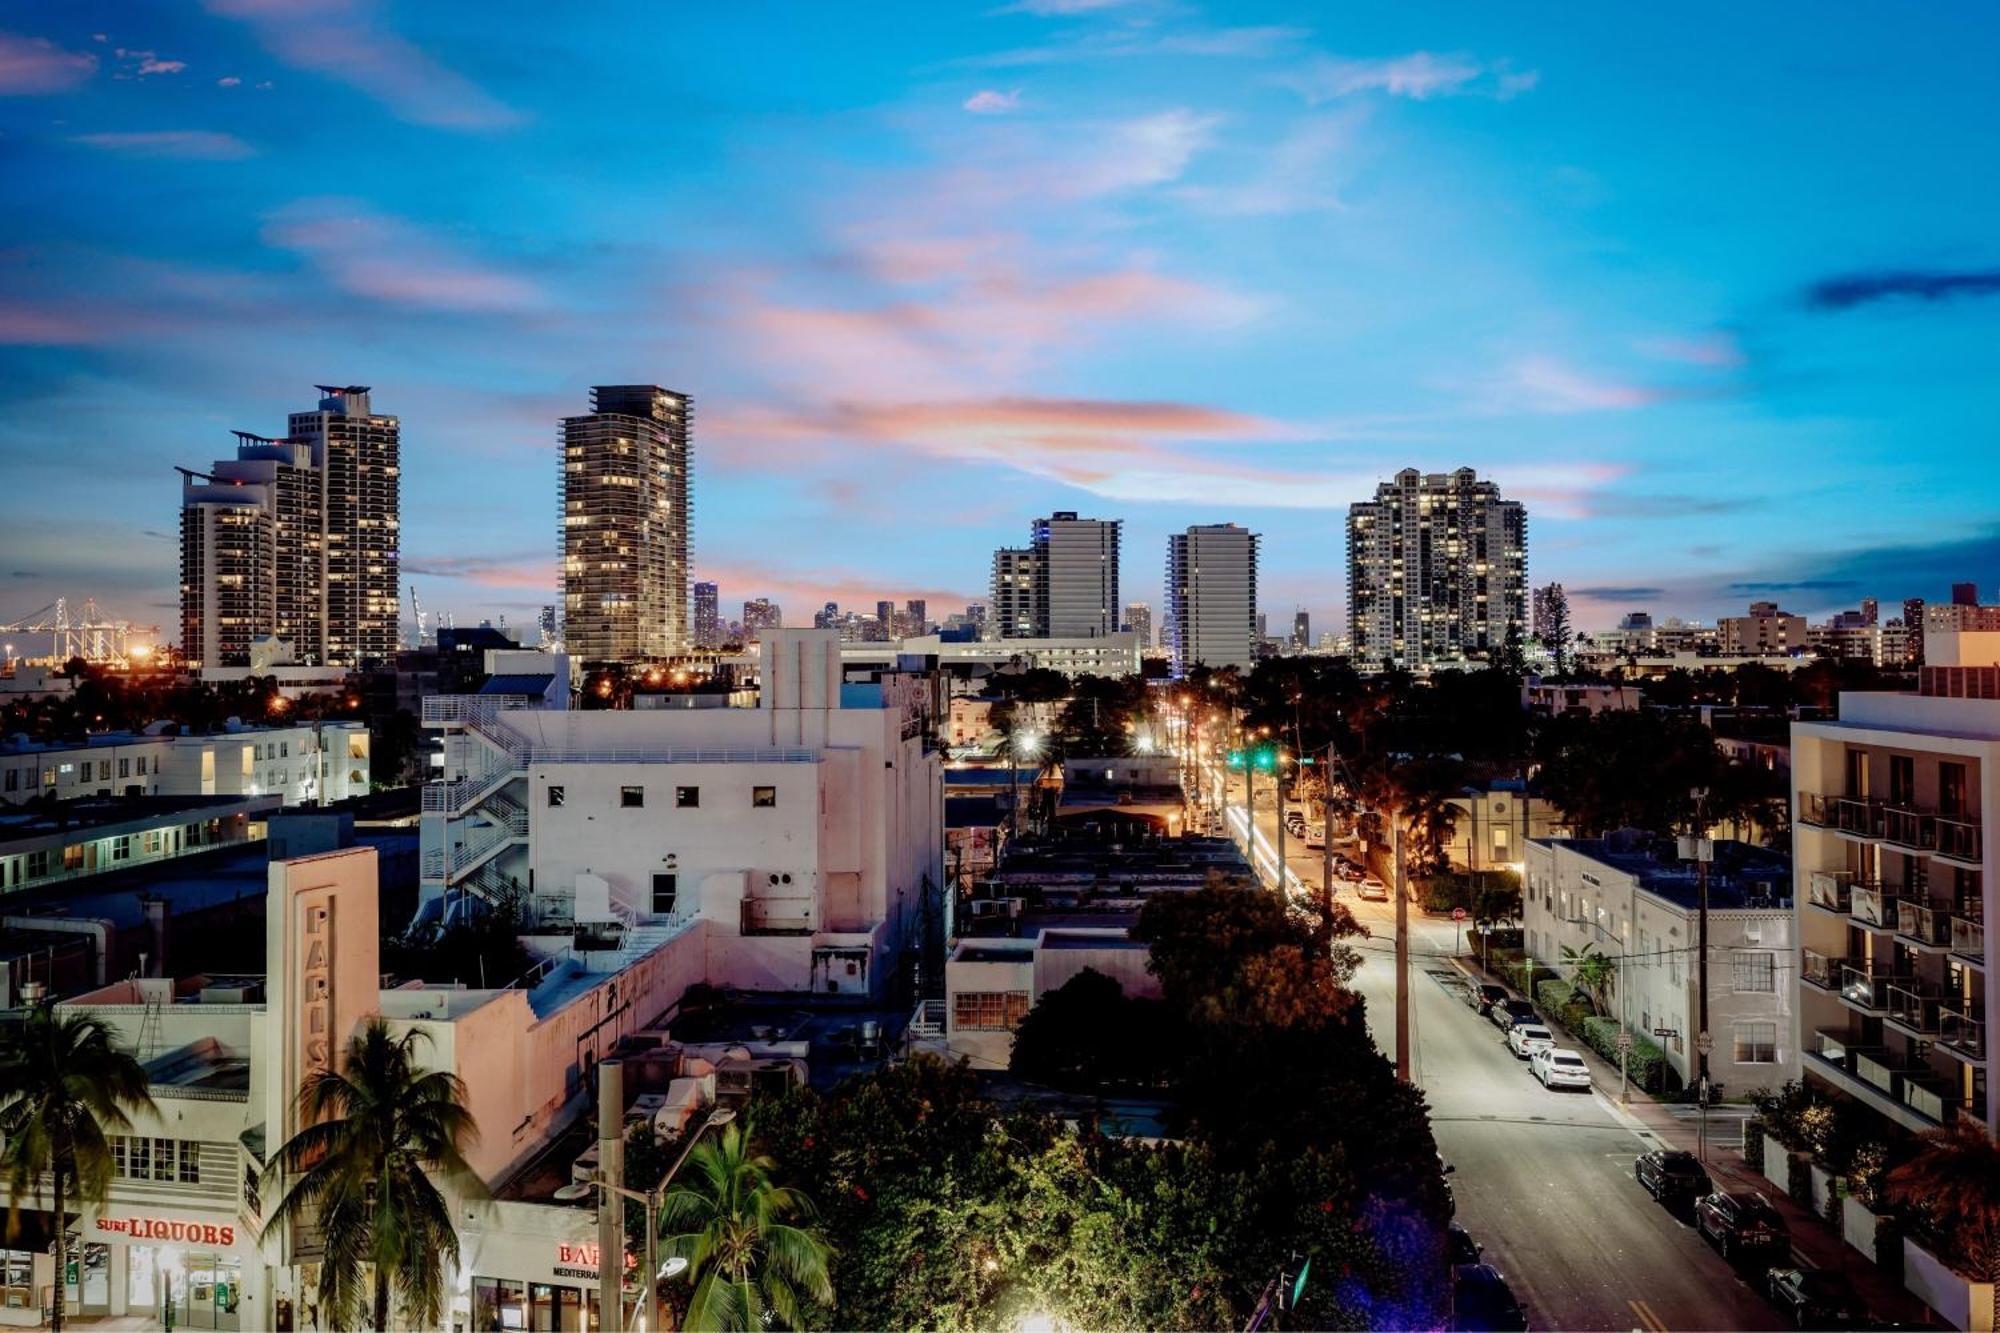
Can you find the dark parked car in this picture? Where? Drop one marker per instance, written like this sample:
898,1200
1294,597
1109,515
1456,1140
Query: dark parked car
1672,1176
1459,1246
1485,994
1506,1013
1742,1225
1481,1299
1816,1298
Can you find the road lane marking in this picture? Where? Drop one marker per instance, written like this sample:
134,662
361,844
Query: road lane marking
1646,1316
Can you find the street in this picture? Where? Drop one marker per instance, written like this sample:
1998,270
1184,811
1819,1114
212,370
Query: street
1543,1179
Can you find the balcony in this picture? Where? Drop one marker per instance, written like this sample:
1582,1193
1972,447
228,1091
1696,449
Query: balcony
1830,891
1820,970
1909,1093
1923,927
1929,1099
1968,939
1962,1036
1913,1008
1869,991
1910,827
1874,907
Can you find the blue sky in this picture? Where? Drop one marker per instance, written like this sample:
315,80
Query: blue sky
1713,290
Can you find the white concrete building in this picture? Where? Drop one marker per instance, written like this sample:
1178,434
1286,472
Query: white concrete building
1496,822
311,762
991,983
807,832
1211,587
1895,881
1637,904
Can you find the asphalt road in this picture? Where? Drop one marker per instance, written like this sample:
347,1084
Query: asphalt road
1543,1179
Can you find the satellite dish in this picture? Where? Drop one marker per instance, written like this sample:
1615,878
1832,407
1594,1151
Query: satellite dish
572,1192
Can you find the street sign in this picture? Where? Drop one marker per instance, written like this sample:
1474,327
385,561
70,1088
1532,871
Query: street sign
1704,1043
1458,914
1669,1033
1624,1041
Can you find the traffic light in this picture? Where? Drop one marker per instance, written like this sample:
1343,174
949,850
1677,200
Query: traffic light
1236,758
1267,758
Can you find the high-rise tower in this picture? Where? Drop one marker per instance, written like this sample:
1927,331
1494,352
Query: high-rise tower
1211,586
360,455
625,524
1437,569
1063,584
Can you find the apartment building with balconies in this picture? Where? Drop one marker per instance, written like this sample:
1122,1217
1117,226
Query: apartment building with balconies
1895,885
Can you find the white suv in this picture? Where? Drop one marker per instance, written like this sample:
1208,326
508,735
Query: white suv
1524,1039
1557,1067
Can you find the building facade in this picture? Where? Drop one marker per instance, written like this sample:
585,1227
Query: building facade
1637,904
625,499
1765,631
1437,569
1017,583
761,614
1063,584
311,763
1211,586
707,616
1139,623
1895,881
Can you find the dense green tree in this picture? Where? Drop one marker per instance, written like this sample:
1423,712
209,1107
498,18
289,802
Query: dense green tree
379,1131
64,1085
1088,1033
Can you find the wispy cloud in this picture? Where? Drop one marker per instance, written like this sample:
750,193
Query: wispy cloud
1061,8
396,262
1547,384
201,145
1605,592
993,102
1754,586
1419,76
25,325
33,66
1849,290
145,64
343,40
1714,351
1302,172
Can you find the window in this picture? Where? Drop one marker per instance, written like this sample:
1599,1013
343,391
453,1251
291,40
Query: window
1756,1043
1756,972
190,1164
17,1279
1000,1010
665,890
1951,789
163,1159
631,798
1902,779
13,779
124,768
687,798
117,1154
104,770
139,1158
284,749
121,847
763,798
556,795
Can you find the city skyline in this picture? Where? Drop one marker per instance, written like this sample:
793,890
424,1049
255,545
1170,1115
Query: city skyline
984,268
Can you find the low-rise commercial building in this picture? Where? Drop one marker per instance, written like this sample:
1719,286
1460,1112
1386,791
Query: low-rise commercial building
1496,821
77,839
1634,900
308,763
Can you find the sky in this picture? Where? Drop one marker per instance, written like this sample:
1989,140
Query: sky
1713,289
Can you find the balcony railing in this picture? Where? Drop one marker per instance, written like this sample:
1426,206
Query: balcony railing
1913,827
1830,890
1868,990
1962,1035
1818,969
1932,1102
1877,1069
1834,1047
1968,937
1924,925
1913,1007
1875,906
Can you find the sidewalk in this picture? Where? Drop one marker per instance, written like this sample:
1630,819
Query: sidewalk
1814,1242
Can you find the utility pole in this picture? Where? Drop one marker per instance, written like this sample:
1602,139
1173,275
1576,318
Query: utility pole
611,1207
1701,850
1326,845
1402,954
1278,787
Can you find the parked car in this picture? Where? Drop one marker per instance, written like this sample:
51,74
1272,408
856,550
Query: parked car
1483,995
1559,1067
1374,890
1481,1299
1816,1297
1741,1224
1510,1011
1669,1175
1459,1246
1524,1039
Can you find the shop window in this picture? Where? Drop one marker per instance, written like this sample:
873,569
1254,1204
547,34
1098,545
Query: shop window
763,798
17,1279
498,1303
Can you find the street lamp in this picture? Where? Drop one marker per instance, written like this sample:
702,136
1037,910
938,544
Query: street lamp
650,1200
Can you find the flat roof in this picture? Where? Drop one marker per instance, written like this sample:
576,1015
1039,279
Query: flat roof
1734,876
82,813
103,739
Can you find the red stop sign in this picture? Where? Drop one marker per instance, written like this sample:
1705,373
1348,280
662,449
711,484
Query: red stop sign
1458,914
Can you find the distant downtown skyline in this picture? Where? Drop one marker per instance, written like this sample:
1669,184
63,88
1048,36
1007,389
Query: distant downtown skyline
1723,321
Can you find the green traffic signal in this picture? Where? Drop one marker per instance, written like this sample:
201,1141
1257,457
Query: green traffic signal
1236,758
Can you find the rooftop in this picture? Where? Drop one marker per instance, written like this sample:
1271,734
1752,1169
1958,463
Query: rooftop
82,813
1742,875
161,732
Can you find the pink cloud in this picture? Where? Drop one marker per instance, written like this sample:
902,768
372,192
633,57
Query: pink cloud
37,326
389,260
1546,384
204,145
344,41
992,102
31,66
1716,351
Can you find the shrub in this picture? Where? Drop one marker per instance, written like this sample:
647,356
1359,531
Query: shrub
1753,1145
1441,893
1864,1173
1645,1064
1836,1190
1553,995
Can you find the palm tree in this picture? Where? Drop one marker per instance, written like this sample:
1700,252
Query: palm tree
62,1085
1955,1180
750,1265
1592,971
376,1133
